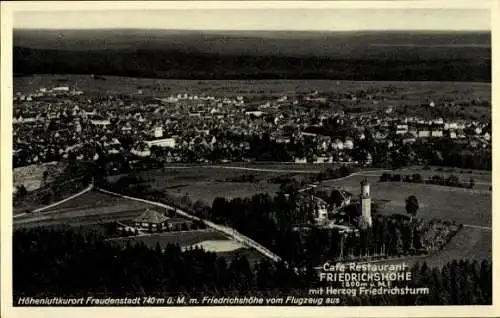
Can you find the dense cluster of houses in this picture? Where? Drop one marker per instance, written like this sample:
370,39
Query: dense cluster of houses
59,123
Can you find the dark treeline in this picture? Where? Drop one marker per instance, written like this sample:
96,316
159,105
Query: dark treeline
182,65
72,264
49,262
450,181
292,183
271,221
451,154
443,152
458,283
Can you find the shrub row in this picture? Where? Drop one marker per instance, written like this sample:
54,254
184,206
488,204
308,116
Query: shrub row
450,181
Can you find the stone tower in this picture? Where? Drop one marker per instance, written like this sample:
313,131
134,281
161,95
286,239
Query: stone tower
366,204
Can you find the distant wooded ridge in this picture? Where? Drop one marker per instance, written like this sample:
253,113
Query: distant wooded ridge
262,43
391,56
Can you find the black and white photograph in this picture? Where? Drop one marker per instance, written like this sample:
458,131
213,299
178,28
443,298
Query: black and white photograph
326,155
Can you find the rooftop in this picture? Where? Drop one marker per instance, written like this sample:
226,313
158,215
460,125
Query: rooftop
151,216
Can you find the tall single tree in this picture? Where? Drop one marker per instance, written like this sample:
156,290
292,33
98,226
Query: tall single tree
412,206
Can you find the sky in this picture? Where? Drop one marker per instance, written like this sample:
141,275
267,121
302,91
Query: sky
340,19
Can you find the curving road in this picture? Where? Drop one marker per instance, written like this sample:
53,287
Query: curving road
226,230
87,189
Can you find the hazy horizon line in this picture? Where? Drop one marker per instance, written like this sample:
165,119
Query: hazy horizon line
258,30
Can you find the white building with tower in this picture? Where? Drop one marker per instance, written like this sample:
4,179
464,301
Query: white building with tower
366,204
320,210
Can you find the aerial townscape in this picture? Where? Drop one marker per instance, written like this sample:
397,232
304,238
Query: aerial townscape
63,123
127,186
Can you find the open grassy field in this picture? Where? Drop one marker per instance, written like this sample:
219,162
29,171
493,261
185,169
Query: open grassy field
465,174
469,207
401,94
92,209
218,246
208,191
411,92
220,172
479,174
209,240
481,178
306,167
461,205
26,206
175,176
89,208
205,183
183,239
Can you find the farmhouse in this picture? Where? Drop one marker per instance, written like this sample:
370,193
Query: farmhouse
151,221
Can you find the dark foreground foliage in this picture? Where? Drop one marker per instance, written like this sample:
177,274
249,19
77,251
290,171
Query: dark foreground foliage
70,263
